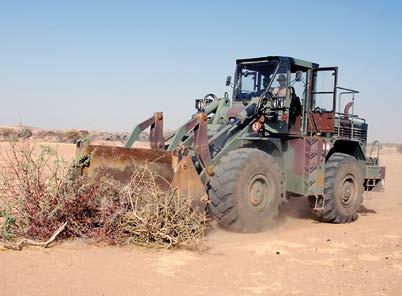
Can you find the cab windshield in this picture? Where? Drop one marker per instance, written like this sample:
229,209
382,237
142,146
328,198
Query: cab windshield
252,79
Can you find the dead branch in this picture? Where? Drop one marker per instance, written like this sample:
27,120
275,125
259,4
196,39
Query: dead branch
26,242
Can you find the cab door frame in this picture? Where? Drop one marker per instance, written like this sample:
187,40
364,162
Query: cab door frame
321,121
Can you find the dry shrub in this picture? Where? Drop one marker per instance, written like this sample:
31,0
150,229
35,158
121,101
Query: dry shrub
32,186
39,192
71,136
24,133
156,217
7,133
12,133
399,148
45,134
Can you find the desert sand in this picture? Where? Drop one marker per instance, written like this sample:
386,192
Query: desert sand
299,256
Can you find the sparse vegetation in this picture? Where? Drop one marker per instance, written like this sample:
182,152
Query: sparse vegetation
6,133
71,136
24,133
42,194
46,134
399,148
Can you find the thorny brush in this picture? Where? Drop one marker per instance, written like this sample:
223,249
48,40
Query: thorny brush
39,191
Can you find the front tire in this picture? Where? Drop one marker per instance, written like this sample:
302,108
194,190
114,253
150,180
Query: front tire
343,191
246,190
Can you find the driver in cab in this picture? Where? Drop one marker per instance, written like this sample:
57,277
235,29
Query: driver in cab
265,82
277,92
281,90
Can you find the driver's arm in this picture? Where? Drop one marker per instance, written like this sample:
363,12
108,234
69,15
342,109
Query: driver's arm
280,92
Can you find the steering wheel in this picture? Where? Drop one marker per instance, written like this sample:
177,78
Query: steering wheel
214,98
264,99
318,110
201,104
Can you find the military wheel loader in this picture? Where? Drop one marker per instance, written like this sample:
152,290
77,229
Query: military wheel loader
288,130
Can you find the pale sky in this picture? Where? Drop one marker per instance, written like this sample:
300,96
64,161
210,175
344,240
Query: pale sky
101,65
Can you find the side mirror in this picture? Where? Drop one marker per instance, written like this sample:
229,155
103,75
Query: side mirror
299,75
197,105
228,80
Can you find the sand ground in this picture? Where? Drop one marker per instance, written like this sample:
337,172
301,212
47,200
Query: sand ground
298,257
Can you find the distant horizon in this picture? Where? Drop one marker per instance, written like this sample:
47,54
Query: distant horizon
127,131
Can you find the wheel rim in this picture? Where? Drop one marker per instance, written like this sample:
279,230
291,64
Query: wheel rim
348,191
259,192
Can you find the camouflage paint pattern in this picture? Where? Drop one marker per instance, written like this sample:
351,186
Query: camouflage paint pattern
224,126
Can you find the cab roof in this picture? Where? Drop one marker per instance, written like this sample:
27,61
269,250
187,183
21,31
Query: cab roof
295,63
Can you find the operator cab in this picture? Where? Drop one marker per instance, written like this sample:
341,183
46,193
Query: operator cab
280,80
300,96
253,76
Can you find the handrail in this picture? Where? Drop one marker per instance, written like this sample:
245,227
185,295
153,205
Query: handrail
348,89
373,145
345,92
350,116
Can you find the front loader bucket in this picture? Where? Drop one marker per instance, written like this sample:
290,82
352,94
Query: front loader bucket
120,163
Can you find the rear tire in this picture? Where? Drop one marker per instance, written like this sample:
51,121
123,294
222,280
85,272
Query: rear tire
343,190
246,190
